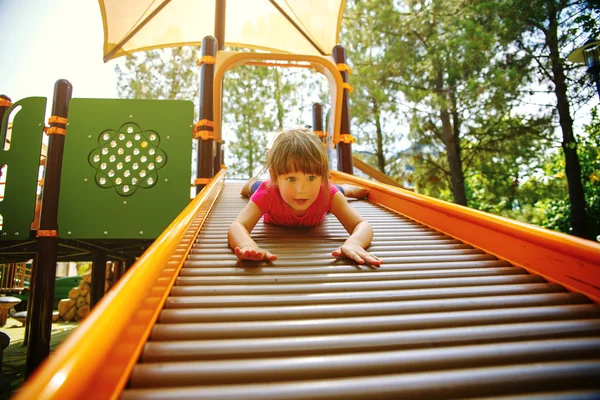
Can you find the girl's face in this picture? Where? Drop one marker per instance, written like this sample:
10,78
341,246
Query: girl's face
299,190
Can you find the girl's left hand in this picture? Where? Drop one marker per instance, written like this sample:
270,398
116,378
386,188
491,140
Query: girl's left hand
356,253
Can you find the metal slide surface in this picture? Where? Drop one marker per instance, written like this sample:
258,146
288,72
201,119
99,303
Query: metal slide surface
439,319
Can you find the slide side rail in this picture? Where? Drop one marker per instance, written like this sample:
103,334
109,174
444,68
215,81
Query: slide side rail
561,258
95,360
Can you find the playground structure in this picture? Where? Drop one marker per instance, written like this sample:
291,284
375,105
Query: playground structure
466,304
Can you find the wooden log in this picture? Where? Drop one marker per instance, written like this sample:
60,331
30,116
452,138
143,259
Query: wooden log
74,293
84,288
64,306
80,302
83,311
70,315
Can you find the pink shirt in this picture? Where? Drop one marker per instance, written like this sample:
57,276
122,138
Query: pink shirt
277,212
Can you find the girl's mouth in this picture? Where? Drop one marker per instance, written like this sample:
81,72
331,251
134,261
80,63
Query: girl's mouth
300,201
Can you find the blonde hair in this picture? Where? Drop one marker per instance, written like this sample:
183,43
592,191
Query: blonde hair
298,150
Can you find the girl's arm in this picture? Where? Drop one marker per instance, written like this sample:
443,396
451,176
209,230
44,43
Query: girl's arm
239,235
360,232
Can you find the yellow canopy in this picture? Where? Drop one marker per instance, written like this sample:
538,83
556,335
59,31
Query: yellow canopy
293,26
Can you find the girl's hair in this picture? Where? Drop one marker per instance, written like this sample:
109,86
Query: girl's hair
298,150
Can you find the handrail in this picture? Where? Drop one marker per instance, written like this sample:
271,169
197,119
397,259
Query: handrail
227,60
561,258
374,173
95,360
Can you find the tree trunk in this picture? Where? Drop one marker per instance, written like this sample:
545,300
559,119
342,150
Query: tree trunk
452,152
278,102
251,148
379,131
569,145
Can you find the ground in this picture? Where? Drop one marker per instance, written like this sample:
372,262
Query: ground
15,355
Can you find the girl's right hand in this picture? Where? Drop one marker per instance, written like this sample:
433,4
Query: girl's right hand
254,253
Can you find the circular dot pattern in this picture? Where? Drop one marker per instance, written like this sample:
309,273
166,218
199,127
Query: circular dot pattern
127,159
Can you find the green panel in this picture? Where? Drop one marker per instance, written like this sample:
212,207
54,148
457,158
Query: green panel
22,160
127,168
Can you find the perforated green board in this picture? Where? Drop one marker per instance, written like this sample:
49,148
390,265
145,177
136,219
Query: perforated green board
22,160
126,169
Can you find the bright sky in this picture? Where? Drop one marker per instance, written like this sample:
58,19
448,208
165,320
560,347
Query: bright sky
47,40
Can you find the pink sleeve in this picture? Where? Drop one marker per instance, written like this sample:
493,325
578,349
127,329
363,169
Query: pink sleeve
333,189
262,197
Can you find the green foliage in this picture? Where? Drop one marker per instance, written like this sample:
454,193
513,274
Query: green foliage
83,267
555,206
508,153
169,74
258,101
244,109
454,66
548,29
374,100
462,72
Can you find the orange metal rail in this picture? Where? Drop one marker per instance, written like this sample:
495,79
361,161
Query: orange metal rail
538,250
94,362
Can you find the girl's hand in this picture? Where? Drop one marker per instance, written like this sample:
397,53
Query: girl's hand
356,253
254,253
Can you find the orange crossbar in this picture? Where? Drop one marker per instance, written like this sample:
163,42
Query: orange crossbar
282,65
561,258
95,360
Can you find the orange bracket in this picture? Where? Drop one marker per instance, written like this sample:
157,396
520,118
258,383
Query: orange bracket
347,138
320,134
57,120
202,181
204,134
47,233
206,60
344,67
55,130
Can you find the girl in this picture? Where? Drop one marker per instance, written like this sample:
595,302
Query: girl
300,194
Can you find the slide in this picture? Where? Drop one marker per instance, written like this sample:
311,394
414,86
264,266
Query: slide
466,305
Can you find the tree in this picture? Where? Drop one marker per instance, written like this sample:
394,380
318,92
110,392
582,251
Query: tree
555,206
245,112
169,74
546,28
258,101
374,101
454,63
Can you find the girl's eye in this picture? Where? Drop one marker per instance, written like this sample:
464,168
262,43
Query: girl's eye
291,179
311,178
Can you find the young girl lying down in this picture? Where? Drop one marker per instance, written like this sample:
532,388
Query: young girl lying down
299,194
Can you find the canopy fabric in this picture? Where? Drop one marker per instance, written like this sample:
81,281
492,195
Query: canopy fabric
291,26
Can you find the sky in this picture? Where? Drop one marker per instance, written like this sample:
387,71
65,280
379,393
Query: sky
47,40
